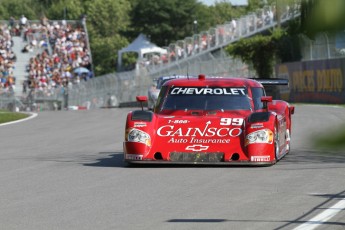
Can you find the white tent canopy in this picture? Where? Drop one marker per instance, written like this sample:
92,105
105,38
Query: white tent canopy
142,46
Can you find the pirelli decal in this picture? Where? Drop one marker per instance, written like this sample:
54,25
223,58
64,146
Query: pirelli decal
208,91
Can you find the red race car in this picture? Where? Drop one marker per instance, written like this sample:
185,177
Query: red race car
210,120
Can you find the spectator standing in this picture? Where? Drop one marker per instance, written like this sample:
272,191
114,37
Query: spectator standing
44,21
233,28
23,21
12,21
12,26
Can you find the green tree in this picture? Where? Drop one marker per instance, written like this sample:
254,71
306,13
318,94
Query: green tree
3,13
289,49
108,17
106,21
223,11
253,5
322,16
205,18
65,9
260,51
219,13
17,8
104,53
166,21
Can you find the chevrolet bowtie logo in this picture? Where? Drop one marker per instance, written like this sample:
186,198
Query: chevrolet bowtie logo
197,148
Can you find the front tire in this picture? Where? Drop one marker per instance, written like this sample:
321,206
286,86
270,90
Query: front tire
288,141
127,164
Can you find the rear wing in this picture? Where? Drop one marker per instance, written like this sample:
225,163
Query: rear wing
161,80
272,81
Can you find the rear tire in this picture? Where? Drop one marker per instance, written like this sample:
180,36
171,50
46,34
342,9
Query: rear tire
276,143
288,141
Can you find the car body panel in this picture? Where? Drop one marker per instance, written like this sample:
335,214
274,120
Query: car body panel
210,121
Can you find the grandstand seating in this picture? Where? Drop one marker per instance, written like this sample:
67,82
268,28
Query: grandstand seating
49,54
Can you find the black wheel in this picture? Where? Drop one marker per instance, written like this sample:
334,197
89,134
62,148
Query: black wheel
127,164
276,143
288,141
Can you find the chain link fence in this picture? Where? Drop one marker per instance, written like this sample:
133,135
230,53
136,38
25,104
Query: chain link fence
114,90
323,46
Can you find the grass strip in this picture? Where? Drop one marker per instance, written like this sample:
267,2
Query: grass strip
6,116
333,141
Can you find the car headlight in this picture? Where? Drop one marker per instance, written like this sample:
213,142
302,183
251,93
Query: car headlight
136,135
260,136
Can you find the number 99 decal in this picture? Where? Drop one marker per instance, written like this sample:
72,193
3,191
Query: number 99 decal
231,121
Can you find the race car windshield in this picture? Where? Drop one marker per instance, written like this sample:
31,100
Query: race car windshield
210,98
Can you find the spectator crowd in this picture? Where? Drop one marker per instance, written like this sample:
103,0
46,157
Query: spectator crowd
220,35
59,50
7,60
65,50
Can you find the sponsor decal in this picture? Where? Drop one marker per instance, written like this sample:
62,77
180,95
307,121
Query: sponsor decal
260,158
197,148
283,72
327,80
257,126
264,136
178,121
231,121
207,131
223,121
137,157
209,134
207,91
194,140
139,124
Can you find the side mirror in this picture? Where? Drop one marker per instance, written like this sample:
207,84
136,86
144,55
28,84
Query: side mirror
141,99
265,100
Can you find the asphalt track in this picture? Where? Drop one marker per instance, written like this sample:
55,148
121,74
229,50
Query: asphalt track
64,170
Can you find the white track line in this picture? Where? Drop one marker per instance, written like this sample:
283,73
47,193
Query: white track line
32,115
323,216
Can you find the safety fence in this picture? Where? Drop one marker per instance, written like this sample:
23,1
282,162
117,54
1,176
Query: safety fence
323,46
222,35
116,90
